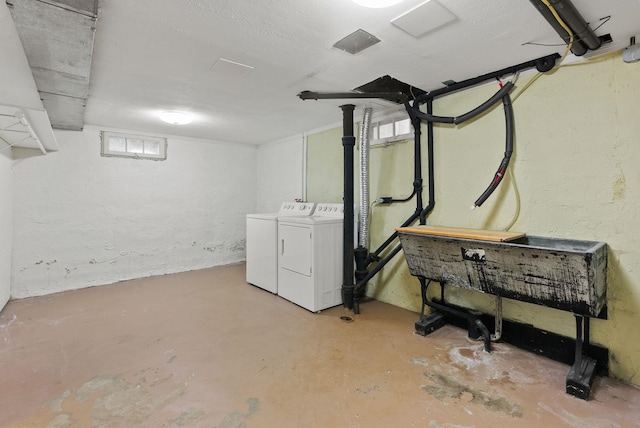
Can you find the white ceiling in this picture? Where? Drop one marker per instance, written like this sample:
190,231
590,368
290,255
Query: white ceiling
154,55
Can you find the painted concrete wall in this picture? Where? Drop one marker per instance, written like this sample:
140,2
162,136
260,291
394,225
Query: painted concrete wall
6,226
324,166
280,173
83,220
576,171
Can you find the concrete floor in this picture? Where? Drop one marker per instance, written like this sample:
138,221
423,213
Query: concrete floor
205,349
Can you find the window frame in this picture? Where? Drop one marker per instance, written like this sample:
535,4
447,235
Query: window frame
390,117
106,151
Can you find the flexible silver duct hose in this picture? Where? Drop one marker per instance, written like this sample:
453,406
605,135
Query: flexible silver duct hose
363,235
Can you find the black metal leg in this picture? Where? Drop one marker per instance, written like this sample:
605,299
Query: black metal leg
429,324
432,322
583,371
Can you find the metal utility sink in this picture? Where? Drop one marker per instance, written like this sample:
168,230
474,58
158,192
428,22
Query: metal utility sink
564,274
560,273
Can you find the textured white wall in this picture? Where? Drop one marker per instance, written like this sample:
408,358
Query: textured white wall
280,173
84,220
6,226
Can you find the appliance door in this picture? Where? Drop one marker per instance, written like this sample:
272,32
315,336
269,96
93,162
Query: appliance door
295,248
262,253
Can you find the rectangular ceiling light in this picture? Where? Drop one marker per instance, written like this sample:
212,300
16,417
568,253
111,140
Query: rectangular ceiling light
356,42
423,18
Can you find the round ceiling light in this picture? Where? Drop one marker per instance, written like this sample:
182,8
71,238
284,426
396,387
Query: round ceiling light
376,3
176,117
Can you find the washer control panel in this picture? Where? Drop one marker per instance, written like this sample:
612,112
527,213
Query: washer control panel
297,209
329,210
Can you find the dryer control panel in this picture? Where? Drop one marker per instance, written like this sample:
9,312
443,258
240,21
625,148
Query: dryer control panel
329,210
296,209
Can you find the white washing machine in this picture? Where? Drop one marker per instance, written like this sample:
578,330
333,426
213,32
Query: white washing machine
262,244
310,258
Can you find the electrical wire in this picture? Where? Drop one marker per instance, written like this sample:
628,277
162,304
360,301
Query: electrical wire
564,56
554,12
516,191
512,177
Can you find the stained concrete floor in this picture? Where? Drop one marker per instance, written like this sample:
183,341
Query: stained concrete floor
205,349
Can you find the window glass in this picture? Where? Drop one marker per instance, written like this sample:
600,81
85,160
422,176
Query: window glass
391,127
403,126
386,130
152,147
135,145
117,144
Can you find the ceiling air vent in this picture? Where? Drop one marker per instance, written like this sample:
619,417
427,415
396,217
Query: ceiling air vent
423,18
356,42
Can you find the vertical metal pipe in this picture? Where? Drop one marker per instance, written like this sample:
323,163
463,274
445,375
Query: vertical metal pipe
348,144
432,196
417,161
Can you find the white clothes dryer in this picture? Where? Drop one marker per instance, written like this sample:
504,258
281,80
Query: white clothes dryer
310,258
262,245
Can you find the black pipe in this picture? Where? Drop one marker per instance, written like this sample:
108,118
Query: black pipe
471,114
544,63
461,314
397,97
576,23
360,285
348,143
502,169
502,93
417,156
374,255
584,37
361,261
417,182
578,47
431,167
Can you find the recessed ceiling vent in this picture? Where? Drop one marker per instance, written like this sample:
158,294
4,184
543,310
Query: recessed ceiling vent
356,42
423,18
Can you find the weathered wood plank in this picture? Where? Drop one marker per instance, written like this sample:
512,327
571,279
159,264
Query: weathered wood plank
460,232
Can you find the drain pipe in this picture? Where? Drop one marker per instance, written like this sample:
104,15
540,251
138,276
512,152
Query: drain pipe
361,253
348,144
417,191
431,168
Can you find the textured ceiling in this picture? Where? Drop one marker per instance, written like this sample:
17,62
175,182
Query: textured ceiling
57,37
154,55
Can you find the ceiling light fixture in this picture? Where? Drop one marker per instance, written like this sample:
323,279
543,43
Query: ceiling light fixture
176,117
376,3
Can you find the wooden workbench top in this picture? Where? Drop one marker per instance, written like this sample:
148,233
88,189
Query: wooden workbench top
460,232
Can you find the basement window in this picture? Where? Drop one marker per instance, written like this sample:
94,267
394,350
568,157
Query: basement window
390,128
133,146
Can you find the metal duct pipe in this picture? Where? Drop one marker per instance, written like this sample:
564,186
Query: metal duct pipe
363,236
